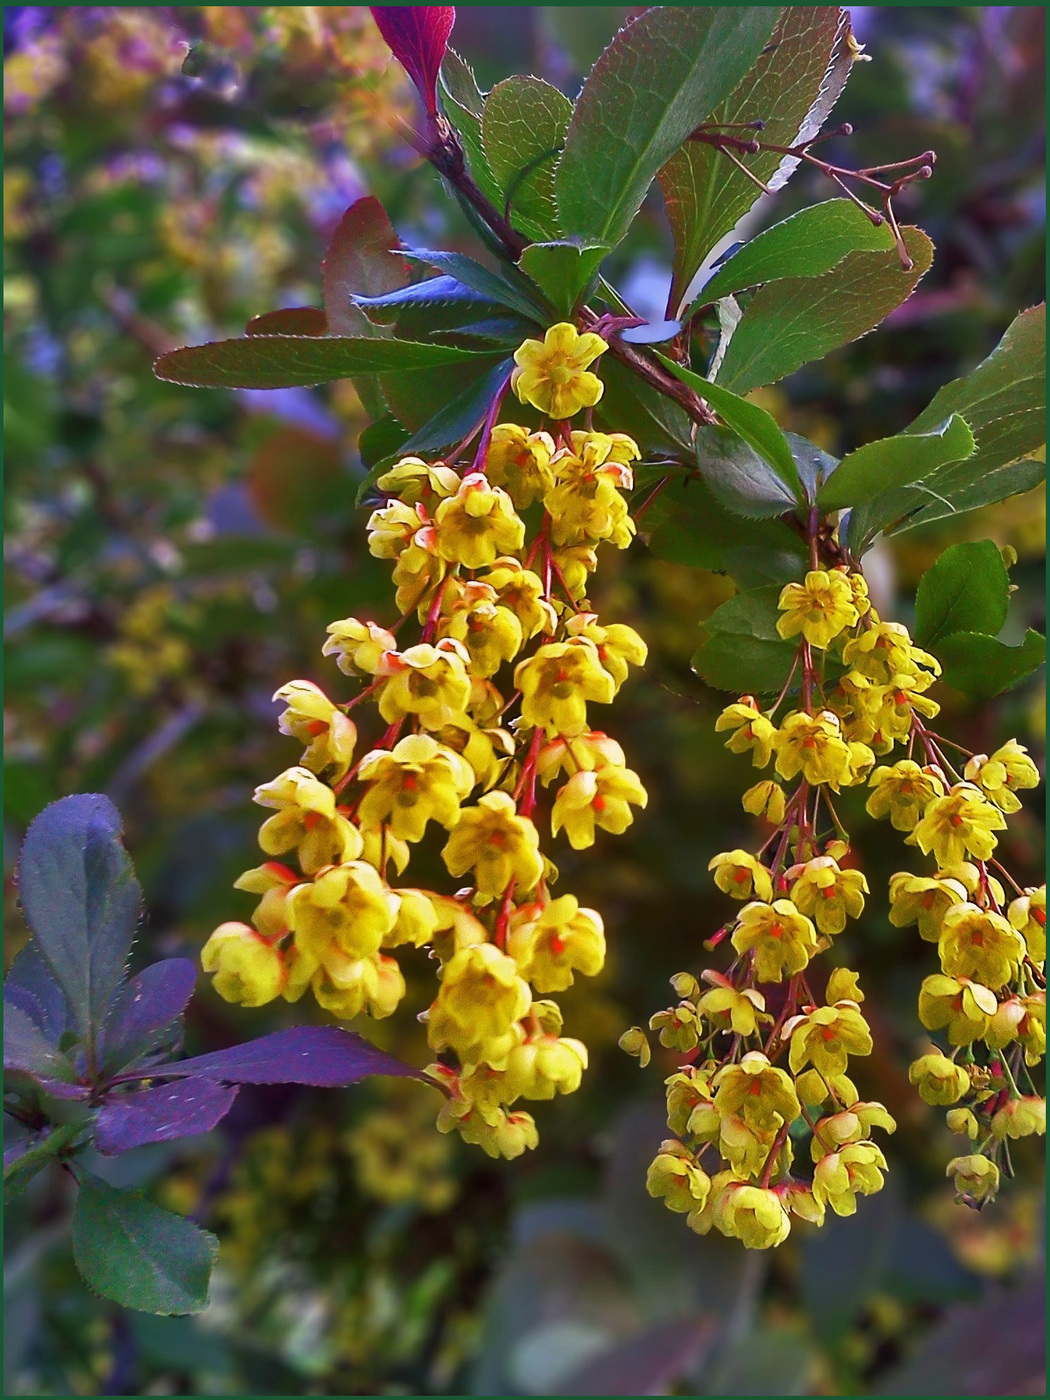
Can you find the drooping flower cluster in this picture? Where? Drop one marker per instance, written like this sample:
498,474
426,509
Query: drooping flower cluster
765,1059
488,707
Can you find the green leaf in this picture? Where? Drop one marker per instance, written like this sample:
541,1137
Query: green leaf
791,88
463,105
798,319
562,270
287,361
82,901
658,79
27,1049
758,428
894,461
811,242
631,406
136,1254
967,590
743,652
491,285
687,525
741,479
522,131
1004,402
980,666
41,1150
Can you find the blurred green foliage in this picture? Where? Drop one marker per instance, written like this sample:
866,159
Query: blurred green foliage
174,555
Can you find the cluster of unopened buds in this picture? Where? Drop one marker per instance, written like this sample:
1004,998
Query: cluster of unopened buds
764,1058
480,714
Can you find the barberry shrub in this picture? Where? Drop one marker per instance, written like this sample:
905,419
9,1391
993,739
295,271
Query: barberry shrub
524,420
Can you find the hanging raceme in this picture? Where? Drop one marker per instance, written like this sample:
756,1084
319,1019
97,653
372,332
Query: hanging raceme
765,1069
488,707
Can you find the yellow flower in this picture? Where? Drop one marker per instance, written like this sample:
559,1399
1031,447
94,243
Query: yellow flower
619,646
274,882
764,1097
829,895
1032,1030
765,799
392,528
585,504
883,651
739,874
600,798
978,944
923,900
1007,769
417,574
480,1000
349,987
311,718
428,681
783,939
678,1025
1024,1117
412,480
730,1009
963,1122
962,823
520,462
497,843
821,608
357,646
417,920
576,562
496,1132
752,730
962,1007
346,909
557,682
551,943
306,820
1027,914
247,970
843,985
840,1177
826,1037
813,746
585,752
477,524
938,1079
674,1178
976,1179
596,450
552,374
521,591
491,634
544,1066
852,1124
752,1214
902,793
634,1042
416,782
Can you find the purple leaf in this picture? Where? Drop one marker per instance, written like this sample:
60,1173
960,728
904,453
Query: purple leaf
324,1056
31,977
291,320
418,37
161,1114
28,1051
647,1364
145,1007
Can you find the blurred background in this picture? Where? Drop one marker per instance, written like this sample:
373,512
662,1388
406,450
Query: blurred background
174,555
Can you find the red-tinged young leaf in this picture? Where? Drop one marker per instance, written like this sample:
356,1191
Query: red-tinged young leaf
162,1114
418,38
291,320
360,261
144,1008
324,1056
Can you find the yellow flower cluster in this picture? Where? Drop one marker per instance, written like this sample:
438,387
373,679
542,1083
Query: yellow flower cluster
489,707
738,1114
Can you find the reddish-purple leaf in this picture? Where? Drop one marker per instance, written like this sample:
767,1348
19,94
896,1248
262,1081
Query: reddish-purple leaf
646,1364
144,1008
361,260
290,320
162,1114
324,1056
418,37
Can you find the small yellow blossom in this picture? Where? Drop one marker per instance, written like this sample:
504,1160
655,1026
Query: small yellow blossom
826,1037
962,823
923,900
497,843
634,1042
730,1009
552,374
418,781
491,634
311,718
347,908
765,799
938,1079
599,798
679,1027
429,681
840,1177
752,1214
829,895
481,998
1027,914
902,792
544,1066
955,1004
306,820
813,746
739,874
761,1094
976,1179
520,462
413,480
821,608
619,646
674,1178
978,944
521,592
783,939
357,646
557,682
349,987
752,730
963,1122
1024,1117
478,524
1000,775
247,970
